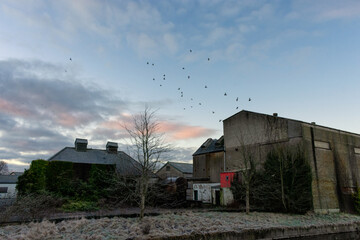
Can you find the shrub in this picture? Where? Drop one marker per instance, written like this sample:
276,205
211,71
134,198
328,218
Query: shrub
34,179
59,178
284,184
32,206
288,175
79,205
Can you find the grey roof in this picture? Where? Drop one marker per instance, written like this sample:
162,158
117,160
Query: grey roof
211,145
125,164
8,179
182,167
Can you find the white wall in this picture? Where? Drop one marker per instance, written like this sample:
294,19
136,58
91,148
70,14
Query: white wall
204,191
11,191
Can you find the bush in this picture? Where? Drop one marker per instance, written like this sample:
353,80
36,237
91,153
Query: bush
60,177
288,175
284,184
32,206
79,205
34,179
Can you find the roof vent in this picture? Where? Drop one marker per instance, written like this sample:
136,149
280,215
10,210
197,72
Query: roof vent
275,114
81,144
313,123
206,143
112,147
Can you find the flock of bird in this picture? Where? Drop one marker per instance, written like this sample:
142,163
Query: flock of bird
192,98
182,93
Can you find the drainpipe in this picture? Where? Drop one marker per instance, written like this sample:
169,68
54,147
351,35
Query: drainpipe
224,161
315,165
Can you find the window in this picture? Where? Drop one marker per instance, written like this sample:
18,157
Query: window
227,178
323,145
357,150
167,168
3,189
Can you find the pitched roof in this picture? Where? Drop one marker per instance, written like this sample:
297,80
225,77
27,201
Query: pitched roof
125,164
211,145
8,179
182,167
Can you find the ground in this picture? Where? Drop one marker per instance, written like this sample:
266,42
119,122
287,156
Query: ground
168,223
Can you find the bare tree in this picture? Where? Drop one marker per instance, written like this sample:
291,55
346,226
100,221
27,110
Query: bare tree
148,146
3,168
248,161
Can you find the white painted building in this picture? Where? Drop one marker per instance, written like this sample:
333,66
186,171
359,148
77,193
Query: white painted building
206,192
8,185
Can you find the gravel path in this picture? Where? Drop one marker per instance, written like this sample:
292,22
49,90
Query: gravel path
166,224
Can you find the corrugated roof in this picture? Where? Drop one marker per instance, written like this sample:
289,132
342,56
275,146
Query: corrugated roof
125,164
8,179
182,167
211,145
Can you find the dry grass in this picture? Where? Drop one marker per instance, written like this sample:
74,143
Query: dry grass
168,224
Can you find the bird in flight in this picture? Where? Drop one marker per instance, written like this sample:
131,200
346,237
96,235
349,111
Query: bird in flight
213,112
178,88
249,99
70,59
237,99
225,94
205,86
188,77
183,68
146,62
153,64
208,59
237,107
220,120
153,79
190,50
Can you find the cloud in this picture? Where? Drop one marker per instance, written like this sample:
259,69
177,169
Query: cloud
325,10
43,110
179,131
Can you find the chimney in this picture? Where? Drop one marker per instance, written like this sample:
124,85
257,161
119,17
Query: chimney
275,114
112,147
81,144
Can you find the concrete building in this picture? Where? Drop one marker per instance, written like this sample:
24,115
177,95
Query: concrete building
334,155
175,169
208,160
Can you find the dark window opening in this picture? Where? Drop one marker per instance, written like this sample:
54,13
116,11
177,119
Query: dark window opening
3,189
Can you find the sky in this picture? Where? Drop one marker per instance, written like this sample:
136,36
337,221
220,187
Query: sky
81,69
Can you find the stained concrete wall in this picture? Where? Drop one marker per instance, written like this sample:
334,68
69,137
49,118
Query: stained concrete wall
334,155
335,166
208,165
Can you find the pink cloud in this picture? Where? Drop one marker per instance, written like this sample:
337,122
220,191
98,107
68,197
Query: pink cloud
10,108
181,132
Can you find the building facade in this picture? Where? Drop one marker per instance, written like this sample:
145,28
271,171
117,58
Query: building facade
175,169
334,155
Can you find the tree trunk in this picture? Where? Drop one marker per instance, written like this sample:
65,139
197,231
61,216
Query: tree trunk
247,198
142,206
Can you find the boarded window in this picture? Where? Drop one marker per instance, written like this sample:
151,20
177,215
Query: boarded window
357,150
3,189
323,145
